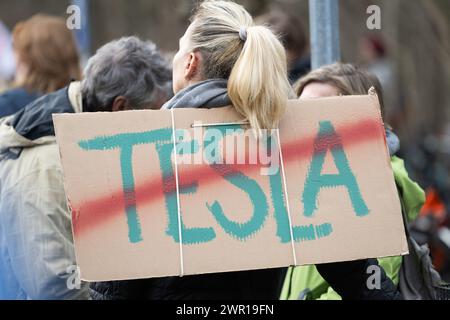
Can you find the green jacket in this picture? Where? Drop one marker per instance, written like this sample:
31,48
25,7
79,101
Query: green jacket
305,283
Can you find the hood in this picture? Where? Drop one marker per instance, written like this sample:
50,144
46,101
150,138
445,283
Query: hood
206,94
33,125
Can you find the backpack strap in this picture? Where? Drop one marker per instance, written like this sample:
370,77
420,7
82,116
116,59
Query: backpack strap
405,218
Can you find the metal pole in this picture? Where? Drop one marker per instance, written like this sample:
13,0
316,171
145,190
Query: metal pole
83,35
325,42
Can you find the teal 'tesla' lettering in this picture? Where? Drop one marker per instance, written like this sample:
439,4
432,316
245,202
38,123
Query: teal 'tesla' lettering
300,233
162,139
240,231
189,235
328,139
125,143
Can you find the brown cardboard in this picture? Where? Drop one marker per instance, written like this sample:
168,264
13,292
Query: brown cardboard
94,187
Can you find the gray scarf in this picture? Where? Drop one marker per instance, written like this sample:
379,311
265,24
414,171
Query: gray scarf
207,94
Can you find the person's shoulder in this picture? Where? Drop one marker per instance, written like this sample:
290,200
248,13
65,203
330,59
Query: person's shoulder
19,94
34,167
56,97
51,102
35,160
42,108
14,92
14,100
44,156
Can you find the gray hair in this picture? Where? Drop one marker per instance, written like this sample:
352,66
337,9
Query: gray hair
127,67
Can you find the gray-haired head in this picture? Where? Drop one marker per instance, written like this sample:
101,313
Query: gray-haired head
128,68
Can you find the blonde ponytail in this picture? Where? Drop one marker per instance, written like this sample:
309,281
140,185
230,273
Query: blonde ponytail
255,64
258,85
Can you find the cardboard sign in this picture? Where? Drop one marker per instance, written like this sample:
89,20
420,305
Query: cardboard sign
330,196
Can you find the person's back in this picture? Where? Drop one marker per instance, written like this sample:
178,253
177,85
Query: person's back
37,258
244,285
224,46
23,219
33,208
223,60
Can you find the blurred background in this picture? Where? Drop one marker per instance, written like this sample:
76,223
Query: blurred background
410,54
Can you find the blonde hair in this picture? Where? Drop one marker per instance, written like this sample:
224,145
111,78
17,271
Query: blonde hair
250,57
48,49
348,79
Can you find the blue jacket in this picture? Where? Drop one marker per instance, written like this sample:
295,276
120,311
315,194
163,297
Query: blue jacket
15,100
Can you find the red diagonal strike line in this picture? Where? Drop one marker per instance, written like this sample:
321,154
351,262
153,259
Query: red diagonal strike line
93,213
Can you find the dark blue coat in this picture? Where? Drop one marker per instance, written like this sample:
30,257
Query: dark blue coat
15,100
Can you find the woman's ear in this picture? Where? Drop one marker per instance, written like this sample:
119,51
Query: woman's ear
192,70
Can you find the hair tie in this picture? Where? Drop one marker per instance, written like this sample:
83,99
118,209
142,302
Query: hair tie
243,33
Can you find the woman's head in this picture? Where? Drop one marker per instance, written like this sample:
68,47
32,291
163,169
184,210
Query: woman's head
222,42
338,79
46,54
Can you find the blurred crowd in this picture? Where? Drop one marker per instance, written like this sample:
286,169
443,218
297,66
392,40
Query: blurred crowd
40,74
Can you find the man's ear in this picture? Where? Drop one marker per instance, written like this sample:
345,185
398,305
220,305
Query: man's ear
193,66
120,103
